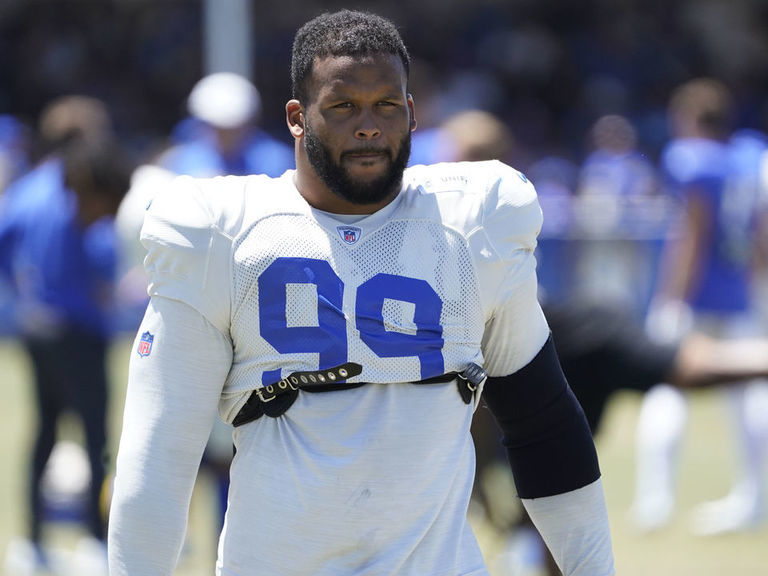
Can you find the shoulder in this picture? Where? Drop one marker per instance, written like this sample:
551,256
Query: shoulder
747,146
688,160
39,191
190,209
489,196
188,233
40,179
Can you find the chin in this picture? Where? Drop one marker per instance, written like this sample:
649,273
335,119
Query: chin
369,180
371,192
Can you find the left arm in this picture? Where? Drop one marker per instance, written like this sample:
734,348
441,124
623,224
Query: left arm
554,463
170,409
173,388
550,447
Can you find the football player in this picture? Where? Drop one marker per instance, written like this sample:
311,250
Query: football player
345,319
705,283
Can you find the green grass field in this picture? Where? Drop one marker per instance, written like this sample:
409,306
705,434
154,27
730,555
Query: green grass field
705,474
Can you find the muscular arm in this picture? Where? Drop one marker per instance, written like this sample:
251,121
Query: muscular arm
554,463
547,437
169,412
548,440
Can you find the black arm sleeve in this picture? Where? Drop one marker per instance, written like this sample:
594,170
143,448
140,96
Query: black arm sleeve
548,441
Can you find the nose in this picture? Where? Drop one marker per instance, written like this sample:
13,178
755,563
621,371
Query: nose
367,129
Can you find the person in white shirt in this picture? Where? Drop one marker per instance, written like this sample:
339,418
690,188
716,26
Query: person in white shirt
338,317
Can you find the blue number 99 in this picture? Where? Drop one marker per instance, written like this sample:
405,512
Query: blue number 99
329,337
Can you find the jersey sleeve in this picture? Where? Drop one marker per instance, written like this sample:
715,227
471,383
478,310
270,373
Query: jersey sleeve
170,407
575,528
517,329
188,254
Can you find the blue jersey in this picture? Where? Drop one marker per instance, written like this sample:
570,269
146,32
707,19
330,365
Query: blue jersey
618,174
724,176
62,272
259,154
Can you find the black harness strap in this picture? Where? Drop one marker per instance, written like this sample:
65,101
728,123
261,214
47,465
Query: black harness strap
470,380
273,400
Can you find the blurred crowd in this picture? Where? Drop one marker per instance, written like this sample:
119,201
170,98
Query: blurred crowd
548,70
105,102
546,67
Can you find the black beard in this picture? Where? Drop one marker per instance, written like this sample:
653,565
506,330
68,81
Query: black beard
336,178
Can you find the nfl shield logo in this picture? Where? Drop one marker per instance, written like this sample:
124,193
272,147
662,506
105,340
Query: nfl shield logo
350,234
145,344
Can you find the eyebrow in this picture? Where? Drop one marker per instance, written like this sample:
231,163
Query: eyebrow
343,91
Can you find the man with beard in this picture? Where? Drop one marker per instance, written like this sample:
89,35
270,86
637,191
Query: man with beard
338,318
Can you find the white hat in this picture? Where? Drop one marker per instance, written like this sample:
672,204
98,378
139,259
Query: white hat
224,100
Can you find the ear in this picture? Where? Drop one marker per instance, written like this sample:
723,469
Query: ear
294,117
412,112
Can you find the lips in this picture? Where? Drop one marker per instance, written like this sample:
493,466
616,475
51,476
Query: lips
365,154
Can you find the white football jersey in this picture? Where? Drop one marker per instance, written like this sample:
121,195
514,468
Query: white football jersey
372,480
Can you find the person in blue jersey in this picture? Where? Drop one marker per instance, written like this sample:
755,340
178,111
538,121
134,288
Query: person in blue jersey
614,184
57,249
345,319
615,166
704,282
221,134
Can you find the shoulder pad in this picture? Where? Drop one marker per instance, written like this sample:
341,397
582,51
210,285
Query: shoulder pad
489,196
187,232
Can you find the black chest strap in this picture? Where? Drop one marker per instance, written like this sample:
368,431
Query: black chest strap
273,400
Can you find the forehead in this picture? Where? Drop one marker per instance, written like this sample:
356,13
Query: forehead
332,74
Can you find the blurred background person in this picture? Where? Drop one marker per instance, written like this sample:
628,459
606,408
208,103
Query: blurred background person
704,282
57,249
616,183
221,134
615,166
478,135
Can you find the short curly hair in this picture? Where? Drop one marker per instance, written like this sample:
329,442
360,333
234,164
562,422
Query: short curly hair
342,33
